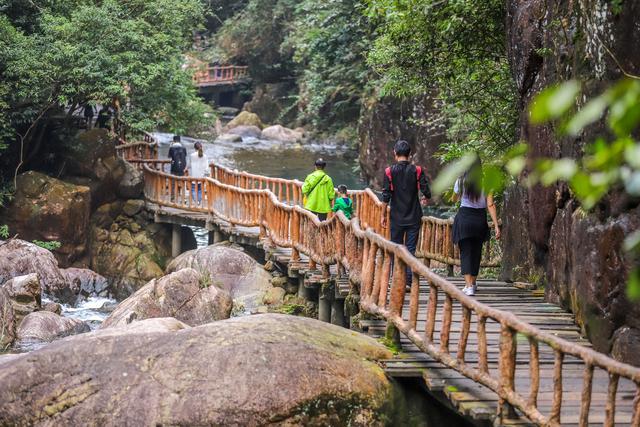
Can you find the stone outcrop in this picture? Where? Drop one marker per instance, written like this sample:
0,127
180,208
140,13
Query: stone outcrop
25,295
282,134
246,131
47,326
547,236
86,283
46,208
185,295
19,258
384,121
7,320
131,185
253,370
272,102
230,269
245,118
229,137
127,247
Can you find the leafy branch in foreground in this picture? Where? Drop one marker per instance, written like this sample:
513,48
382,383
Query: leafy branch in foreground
611,162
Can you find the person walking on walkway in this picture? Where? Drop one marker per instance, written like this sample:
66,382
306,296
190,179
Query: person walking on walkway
318,191
104,116
403,183
470,228
178,156
199,169
88,115
343,203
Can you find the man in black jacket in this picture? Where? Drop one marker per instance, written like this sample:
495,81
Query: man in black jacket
403,184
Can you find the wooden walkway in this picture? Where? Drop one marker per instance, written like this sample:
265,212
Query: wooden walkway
475,402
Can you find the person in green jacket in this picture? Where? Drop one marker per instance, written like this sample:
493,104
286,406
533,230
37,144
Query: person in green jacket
343,202
318,191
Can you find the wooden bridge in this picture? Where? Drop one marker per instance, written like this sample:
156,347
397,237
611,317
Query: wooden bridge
504,357
215,75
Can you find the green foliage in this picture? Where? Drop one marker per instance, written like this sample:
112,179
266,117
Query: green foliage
4,231
458,48
329,41
65,53
51,245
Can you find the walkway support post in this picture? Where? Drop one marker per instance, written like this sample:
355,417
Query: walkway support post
337,312
176,240
325,297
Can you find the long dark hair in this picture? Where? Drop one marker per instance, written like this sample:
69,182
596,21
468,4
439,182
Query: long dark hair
198,146
472,181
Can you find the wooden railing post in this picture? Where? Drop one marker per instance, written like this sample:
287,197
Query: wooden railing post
507,366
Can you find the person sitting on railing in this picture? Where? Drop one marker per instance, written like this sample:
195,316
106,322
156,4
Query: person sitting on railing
318,191
343,203
470,228
403,183
199,169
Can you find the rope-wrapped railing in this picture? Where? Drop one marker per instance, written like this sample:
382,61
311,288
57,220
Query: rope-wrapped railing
379,267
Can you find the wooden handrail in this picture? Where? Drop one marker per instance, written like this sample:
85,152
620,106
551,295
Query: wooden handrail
220,74
368,257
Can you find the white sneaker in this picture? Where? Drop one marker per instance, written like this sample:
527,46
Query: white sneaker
470,291
475,288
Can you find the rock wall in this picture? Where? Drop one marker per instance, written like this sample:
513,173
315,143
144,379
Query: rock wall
547,236
384,121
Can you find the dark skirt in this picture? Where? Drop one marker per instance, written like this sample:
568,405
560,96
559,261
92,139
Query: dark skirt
470,223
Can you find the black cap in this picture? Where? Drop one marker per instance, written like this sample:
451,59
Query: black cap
320,163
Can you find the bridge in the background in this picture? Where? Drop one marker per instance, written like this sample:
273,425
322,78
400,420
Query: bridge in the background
222,85
504,357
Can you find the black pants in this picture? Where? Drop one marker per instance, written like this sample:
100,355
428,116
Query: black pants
406,235
321,216
470,255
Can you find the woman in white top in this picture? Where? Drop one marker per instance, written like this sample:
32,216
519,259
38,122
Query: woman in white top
470,228
199,169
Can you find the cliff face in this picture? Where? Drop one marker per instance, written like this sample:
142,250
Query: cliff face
546,234
384,121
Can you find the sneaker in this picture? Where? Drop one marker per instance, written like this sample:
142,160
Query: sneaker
470,291
475,288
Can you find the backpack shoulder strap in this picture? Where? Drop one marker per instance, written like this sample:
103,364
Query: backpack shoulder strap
418,175
387,172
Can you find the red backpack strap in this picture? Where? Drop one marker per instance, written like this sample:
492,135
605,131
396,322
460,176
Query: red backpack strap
387,172
418,175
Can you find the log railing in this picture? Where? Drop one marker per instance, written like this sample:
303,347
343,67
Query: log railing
220,74
147,148
379,268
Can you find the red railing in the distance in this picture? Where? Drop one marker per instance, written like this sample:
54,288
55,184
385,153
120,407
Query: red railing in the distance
214,74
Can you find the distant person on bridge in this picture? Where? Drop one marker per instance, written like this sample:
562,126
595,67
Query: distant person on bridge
343,203
403,183
318,191
178,156
88,115
199,169
470,228
104,117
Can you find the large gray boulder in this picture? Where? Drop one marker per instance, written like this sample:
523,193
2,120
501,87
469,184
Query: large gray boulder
44,326
282,134
7,320
19,258
24,293
254,370
230,269
246,131
132,183
185,295
86,283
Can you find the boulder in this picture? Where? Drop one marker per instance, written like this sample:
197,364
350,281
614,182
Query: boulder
53,307
253,370
86,283
282,134
228,137
245,131
7,320
48,209
47,326
128,250
91,159
24,292
185,295
245,118
274,296
131,184
19,258
230,269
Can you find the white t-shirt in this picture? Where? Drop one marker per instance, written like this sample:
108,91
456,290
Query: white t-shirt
466,202
199,165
